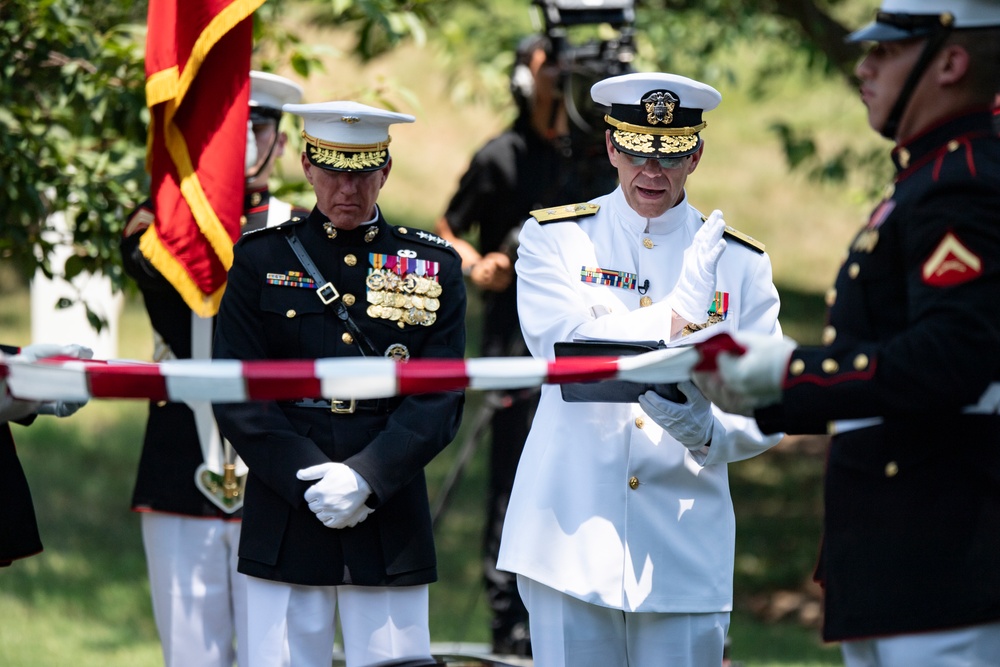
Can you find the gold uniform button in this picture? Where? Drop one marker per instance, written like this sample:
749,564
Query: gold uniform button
796,367
861,362
853,270
402,230
829,335
243,221
891,469
349,299
648,243
633,482
831,297
160,404
256,198
645,301
639,423
347,338
350,260
953,146
290,313
830,366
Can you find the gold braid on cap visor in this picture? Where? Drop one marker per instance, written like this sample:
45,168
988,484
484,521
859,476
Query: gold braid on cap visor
346,156
639,138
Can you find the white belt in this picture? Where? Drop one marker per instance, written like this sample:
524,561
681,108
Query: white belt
847,425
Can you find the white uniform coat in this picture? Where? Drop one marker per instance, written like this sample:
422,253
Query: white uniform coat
606,507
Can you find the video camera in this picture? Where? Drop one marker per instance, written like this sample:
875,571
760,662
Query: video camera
583,64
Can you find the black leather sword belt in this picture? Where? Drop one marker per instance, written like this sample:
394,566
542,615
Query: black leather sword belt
380,406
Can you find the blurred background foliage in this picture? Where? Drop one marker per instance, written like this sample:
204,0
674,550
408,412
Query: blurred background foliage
73,122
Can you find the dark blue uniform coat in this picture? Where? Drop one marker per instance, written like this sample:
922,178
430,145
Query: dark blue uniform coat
18,527
388,442
912,525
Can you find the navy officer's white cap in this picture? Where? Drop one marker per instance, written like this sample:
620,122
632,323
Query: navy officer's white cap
906,19
655,114
347,136
269,93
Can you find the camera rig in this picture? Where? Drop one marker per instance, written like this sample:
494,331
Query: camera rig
584,63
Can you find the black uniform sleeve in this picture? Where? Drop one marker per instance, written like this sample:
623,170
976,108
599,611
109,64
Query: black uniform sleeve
904,344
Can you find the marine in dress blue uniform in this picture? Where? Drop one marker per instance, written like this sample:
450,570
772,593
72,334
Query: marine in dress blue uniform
310,543
191,524
908,377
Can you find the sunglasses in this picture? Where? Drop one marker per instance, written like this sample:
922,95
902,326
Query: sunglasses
664,162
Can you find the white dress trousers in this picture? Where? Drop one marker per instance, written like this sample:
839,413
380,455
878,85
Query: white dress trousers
974,646
566,632
378,624
199,599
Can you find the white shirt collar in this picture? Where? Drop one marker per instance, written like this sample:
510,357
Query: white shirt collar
671,220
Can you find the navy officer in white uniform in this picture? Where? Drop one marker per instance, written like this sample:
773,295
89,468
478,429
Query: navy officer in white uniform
621,527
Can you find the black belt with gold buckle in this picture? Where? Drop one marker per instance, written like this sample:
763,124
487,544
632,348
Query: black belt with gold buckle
346,406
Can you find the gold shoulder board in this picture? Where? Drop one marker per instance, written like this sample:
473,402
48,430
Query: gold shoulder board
746,240
564,212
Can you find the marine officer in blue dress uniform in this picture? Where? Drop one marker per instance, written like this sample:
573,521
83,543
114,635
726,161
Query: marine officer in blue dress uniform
908,377
336,518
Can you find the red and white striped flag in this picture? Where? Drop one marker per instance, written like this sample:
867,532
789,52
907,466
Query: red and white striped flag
227,381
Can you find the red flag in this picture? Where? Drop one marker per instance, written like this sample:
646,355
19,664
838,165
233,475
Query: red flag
197,91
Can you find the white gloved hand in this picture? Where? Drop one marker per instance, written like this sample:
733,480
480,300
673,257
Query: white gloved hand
338,498
359,515
695,288
43,350
60,408
690,423
12,409
751,380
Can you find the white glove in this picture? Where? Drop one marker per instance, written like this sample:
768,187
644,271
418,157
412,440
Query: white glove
690,423
751,380
338,498
60,408
695,288
12,409
43,350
